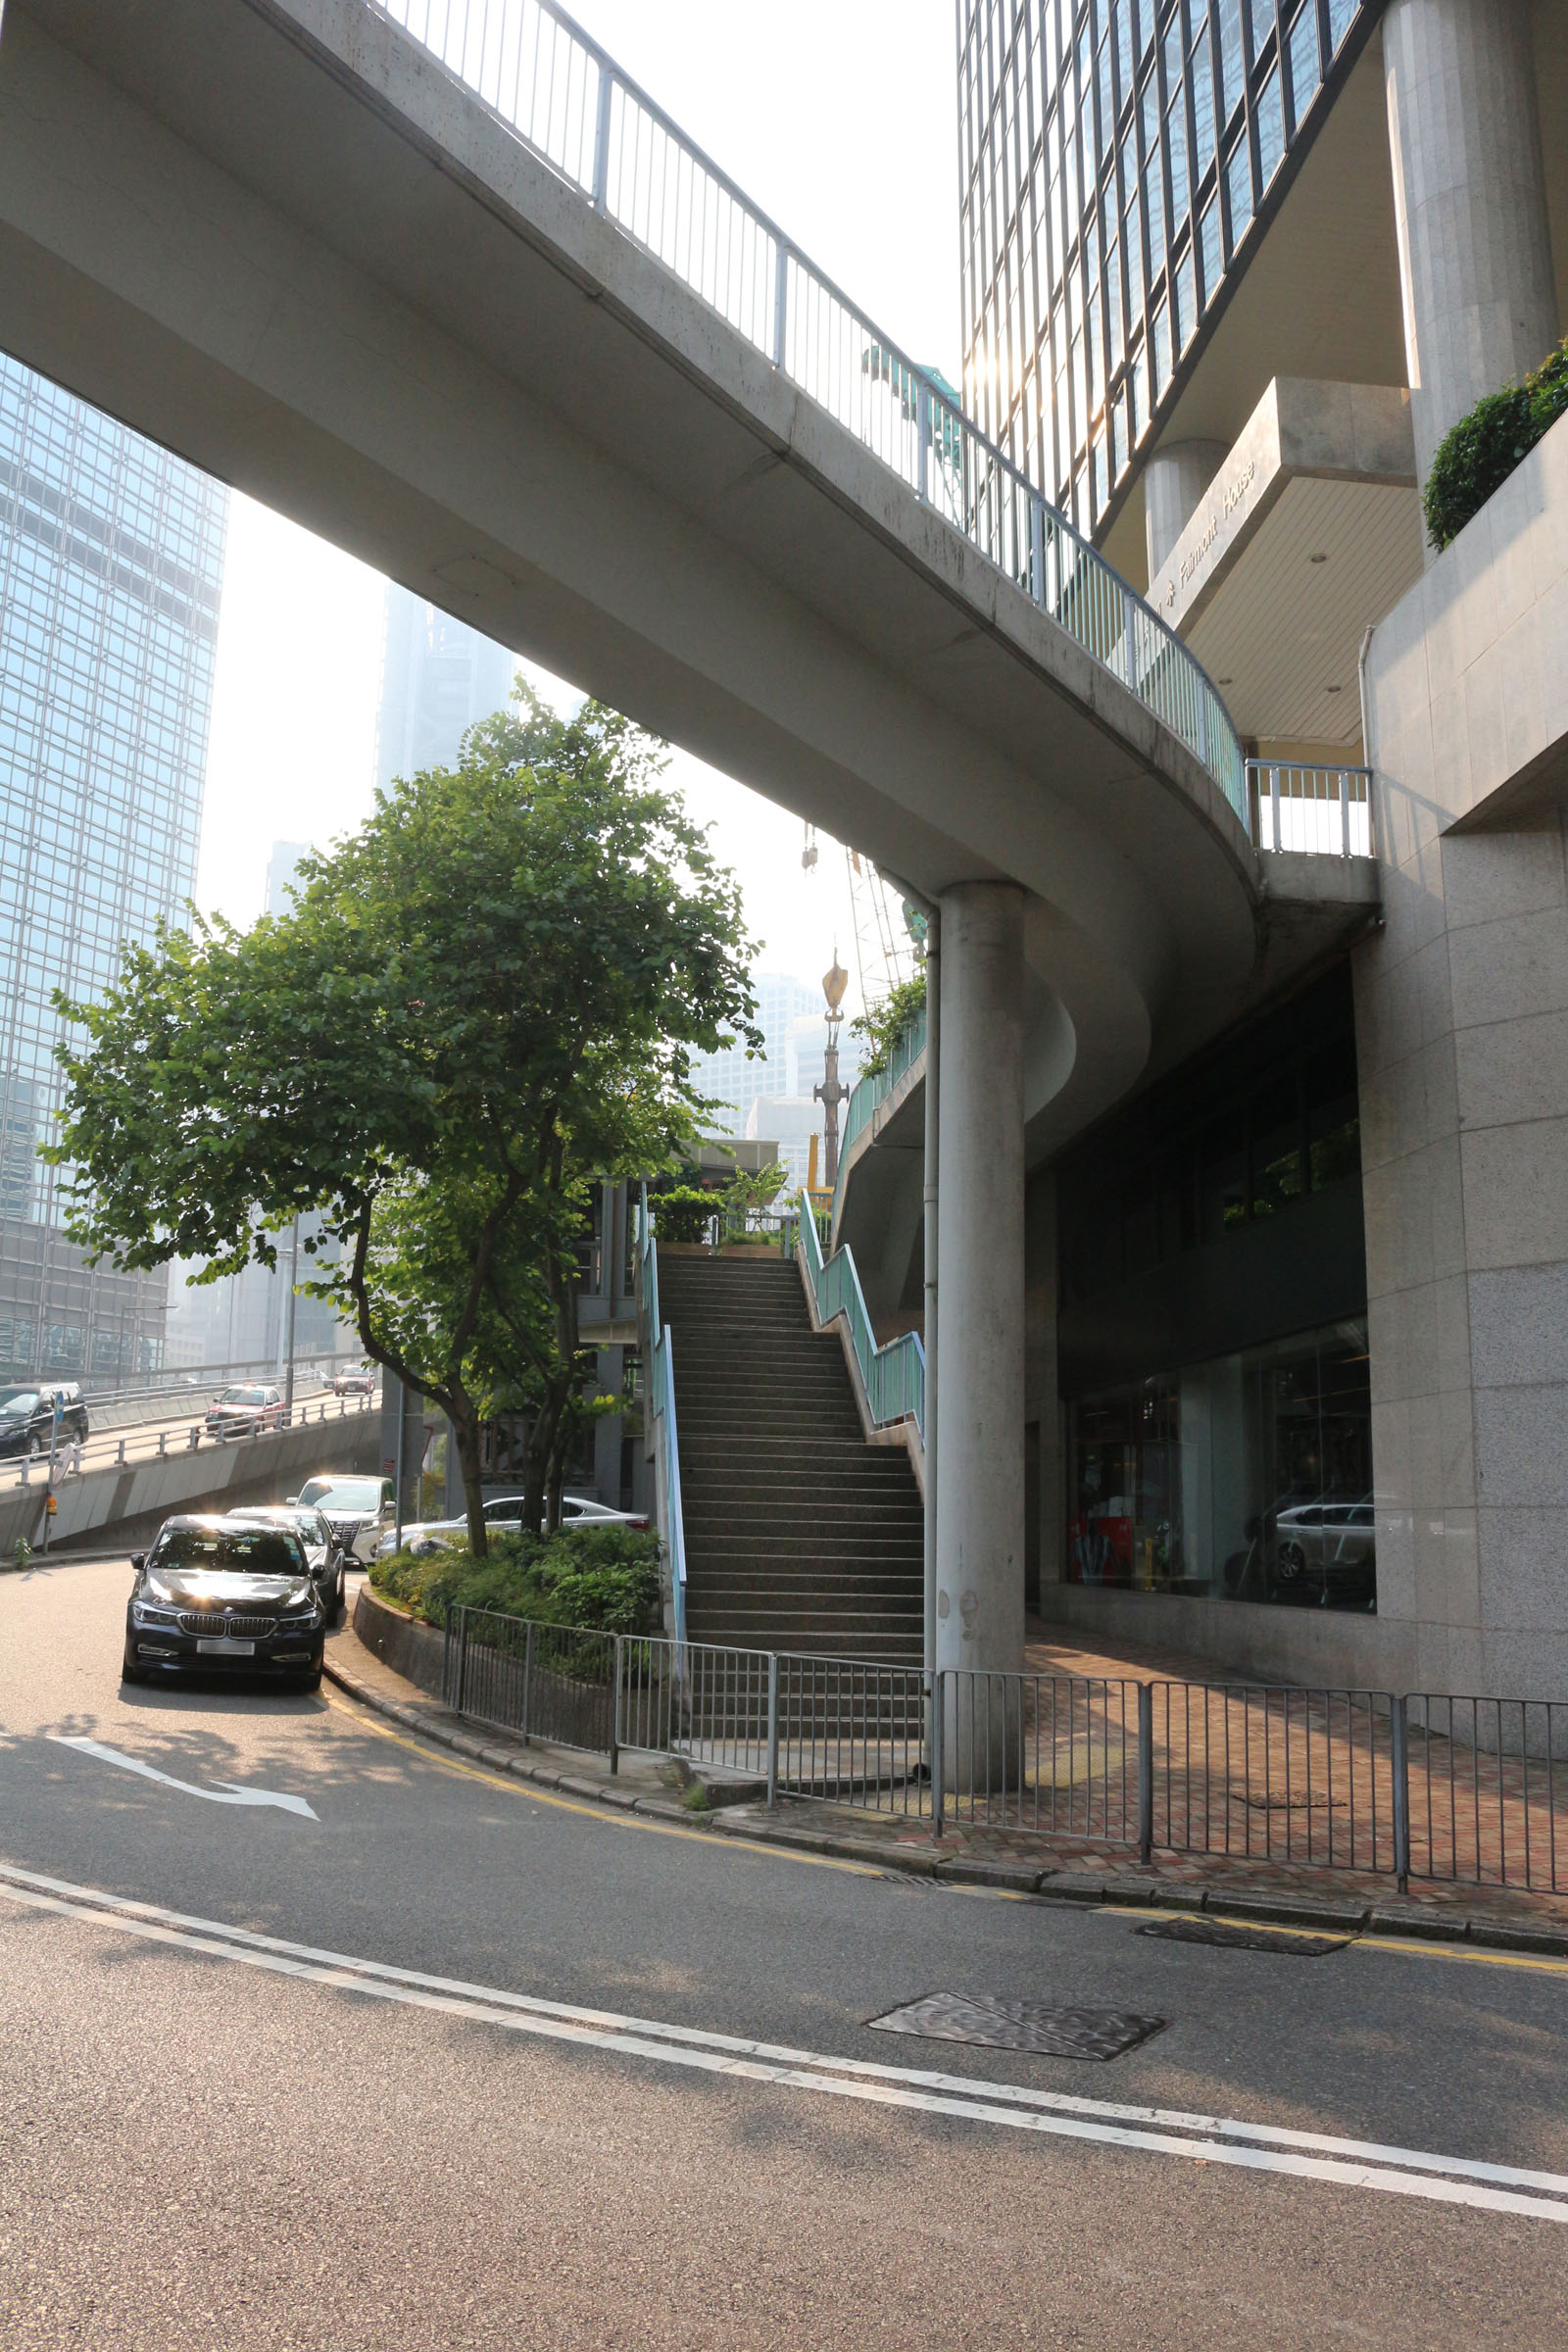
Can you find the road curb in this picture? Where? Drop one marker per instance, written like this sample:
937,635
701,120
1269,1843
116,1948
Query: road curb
1091,1889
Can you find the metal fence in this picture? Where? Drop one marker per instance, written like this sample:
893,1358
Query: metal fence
1469,1791
868,1093
567,99
894,1376
1053,1754
1324,811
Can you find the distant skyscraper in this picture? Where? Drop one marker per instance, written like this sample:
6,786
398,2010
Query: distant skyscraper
281,869
111,563
438,676
736,1083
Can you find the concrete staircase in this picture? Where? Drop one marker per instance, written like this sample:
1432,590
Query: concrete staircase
799,1535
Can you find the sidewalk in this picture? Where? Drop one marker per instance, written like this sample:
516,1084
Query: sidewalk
1056,1868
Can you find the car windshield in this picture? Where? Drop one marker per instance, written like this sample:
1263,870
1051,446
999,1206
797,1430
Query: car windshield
343,1493
268,1551
20,1400
304,1523
243,1396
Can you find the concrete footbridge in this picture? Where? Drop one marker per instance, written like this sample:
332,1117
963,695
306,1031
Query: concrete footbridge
446,287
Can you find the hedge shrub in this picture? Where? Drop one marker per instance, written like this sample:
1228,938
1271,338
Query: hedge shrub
605,1578
1481,452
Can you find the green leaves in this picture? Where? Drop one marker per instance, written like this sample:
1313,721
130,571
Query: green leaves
488,994
1477,457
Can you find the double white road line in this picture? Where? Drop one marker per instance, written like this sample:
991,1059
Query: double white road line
1011,2106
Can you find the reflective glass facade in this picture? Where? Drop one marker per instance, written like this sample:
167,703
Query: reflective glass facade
1114,156
111,559
438,678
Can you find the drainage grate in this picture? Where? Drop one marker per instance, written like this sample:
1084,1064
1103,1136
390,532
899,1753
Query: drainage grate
1243,1940
1020,2026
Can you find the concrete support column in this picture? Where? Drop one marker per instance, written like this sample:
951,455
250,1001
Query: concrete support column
1470,204
1174,480
980,1230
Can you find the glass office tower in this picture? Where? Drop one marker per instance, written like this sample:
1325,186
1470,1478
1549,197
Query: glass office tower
438,678
1117,157
111,561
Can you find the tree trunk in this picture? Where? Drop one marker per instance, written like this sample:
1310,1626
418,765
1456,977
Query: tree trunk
465,1431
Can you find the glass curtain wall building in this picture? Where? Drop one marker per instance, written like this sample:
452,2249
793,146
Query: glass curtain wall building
111,563
438,678
1117,156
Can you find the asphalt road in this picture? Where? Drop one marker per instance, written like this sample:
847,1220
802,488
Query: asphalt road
404,2131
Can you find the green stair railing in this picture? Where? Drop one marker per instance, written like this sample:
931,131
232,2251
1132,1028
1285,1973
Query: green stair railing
894,1376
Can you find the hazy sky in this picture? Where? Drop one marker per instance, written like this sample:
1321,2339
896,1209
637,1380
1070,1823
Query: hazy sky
839,118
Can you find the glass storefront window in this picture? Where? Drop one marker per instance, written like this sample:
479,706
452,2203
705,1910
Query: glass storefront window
1246,1478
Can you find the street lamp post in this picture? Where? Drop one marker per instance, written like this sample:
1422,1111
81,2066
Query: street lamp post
831,1093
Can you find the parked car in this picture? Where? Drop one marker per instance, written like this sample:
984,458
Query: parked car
504,1514
224,1595
323,1555
1327,1552
27,1417
238,1410
356,1508
356,1380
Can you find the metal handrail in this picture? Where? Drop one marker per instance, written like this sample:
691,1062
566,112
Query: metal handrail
1323,810
661,1357
870,1092
568,101
894,1376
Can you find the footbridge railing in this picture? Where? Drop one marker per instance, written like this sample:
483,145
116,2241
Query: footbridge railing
892,1377
868,1093
568,101
659,1355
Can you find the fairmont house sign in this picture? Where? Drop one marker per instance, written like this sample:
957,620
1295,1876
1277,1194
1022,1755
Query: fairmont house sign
1196,557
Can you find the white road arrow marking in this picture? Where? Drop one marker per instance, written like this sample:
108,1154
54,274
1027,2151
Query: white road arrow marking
226,1793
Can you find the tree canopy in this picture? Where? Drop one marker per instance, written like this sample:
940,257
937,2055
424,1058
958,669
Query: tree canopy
494,990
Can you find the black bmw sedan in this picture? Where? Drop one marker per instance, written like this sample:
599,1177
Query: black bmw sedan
224,1595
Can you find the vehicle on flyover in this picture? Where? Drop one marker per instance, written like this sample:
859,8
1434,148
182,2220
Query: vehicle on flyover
355,1507
354,1380
224,1595
27,1416
504,1517
324,1556
236,1411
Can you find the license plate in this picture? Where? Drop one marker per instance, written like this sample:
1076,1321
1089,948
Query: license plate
224,1646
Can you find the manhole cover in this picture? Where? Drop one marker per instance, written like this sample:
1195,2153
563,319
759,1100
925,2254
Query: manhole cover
1243,1940
1020,2026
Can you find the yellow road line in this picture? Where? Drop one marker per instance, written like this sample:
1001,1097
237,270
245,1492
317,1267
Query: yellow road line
1363,1939
611,1820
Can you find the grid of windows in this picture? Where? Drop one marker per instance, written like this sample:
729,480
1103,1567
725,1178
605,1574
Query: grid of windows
111,561
1113,157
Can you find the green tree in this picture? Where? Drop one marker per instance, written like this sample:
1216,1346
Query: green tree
493,989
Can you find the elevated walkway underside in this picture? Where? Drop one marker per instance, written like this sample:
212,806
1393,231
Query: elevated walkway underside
279,236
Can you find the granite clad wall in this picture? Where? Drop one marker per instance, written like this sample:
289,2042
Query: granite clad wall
1463,1032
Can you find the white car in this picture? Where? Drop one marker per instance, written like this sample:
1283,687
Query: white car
505,1515
355,1507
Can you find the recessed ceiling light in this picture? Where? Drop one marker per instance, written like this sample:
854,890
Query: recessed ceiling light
1320,559
1225,681
1335,690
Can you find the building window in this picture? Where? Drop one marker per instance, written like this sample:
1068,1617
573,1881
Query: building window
1270,118
1305,71
1244,1477
1239,193
1209,231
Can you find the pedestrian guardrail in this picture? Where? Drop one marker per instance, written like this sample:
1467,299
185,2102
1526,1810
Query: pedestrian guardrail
892,1377
1321,811
657,1349
1469,1791
567,101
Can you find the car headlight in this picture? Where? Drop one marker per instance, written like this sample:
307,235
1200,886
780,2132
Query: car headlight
142,1614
